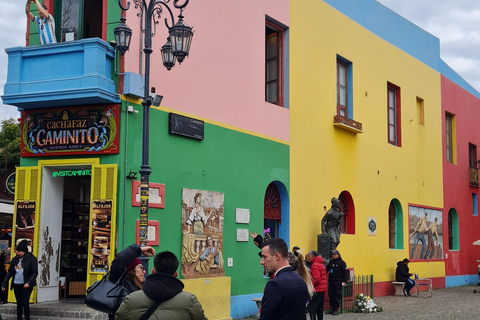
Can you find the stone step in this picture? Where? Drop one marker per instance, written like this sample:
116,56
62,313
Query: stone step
64,310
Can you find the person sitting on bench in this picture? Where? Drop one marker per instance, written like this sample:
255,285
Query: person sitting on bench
402,274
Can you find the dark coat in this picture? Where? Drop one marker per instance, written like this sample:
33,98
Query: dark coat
120,264
30,270
337,271
402,273
285,297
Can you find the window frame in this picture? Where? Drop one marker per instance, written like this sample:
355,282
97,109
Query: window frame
341,107
396,140
279,33
449,137
395,227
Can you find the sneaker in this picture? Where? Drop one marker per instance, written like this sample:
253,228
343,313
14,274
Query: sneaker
409,294
334,313
329,311
405,293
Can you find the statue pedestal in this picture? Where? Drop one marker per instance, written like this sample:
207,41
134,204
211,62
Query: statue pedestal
323,246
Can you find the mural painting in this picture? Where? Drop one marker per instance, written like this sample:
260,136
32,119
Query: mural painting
426,235
202,227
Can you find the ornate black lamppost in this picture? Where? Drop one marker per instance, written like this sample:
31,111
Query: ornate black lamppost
176,48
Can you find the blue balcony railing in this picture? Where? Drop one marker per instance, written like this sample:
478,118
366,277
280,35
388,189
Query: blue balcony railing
60,74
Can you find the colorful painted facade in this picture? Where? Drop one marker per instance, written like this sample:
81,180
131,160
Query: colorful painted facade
307,101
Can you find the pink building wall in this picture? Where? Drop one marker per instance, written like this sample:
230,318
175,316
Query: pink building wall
457,190
223,79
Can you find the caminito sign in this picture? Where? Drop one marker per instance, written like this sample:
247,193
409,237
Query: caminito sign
76,130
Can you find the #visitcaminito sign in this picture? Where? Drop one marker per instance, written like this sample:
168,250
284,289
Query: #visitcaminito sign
75,130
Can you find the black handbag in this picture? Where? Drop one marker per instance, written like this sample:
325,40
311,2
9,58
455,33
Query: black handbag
106,296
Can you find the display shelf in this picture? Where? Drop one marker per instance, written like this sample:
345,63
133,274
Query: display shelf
75,241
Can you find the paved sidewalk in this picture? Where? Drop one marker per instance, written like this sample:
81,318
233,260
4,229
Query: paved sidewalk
450,303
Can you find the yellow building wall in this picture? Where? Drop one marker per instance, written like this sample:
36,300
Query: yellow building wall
213,294
326,160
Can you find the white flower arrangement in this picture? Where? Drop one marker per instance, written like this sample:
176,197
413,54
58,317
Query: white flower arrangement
365,304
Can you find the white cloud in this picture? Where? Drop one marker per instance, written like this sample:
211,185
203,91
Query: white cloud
455,23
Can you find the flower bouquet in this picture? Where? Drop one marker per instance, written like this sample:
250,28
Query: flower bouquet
365,304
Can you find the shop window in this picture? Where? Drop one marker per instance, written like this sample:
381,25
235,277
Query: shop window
347,225
272,210
274,59
80,19
393,115
450,137
453,241
344,88
395,225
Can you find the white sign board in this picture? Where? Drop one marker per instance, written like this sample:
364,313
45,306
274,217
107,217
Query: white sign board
242,235
242,215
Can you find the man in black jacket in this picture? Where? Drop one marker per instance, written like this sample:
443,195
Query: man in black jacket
338,275
402,274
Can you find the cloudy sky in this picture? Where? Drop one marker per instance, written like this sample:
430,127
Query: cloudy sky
455,23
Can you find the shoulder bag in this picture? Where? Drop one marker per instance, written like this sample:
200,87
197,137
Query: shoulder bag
106,296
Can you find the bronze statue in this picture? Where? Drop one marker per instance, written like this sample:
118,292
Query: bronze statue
331,223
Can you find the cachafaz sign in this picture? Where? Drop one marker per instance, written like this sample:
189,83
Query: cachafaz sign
78,130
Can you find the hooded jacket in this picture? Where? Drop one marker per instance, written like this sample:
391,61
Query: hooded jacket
176,303
402,273
337,271
319,275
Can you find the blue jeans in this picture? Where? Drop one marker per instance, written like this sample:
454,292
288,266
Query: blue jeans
409,284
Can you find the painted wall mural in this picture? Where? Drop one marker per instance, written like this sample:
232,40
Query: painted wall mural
425,231
202,227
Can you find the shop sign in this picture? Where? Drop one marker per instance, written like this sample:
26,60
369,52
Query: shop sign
25,222
76,130
101,232
10,183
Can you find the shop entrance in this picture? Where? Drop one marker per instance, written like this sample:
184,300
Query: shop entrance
64,229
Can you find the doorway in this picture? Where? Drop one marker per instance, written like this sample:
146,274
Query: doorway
64,229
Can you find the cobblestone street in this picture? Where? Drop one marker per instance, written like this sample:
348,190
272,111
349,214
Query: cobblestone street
452,303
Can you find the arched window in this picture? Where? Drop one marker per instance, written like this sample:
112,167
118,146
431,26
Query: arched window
453,242
347,207
395,225
272,210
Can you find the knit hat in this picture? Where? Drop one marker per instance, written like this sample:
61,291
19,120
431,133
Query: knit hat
133,264
334,252
22,246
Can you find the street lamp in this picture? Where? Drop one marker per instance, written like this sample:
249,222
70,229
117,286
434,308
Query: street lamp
176,48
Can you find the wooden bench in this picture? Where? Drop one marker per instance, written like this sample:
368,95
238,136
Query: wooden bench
398,287
258,301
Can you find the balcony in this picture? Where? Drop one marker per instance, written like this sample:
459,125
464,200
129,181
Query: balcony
60,74
347,124
473,176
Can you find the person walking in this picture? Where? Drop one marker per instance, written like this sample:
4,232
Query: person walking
319,278
23,270
286,295
164,292
337,278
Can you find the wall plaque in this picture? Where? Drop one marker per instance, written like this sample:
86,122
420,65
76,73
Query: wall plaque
185,126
